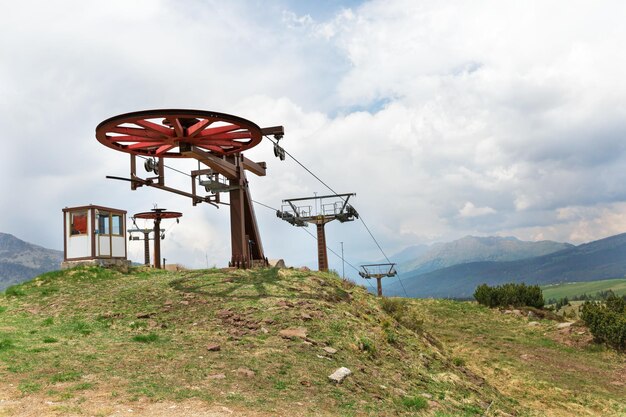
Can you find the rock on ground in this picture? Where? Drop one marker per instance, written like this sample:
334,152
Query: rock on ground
339,375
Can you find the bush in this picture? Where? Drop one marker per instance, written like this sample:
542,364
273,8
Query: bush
510,294
607,322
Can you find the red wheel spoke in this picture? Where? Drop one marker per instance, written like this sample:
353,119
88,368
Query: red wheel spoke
136,132
130,139
163,149
220,129
207,142
142,145
202,124
178,128
232,135
165,131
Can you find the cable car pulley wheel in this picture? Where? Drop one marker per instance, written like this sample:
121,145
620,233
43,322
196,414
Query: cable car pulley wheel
159,133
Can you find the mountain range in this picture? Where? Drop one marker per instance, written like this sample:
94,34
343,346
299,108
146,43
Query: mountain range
472,249
21,261
601,259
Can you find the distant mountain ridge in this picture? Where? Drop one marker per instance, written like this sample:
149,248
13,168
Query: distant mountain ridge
601,259
21,261
478,249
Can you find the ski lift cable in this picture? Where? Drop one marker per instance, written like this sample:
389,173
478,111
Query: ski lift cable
327,186
360,216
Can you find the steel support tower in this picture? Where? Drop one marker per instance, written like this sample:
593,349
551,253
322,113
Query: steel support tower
331,207
378,271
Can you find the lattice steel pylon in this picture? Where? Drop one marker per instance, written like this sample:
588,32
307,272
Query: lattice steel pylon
216,140
301,216
378,271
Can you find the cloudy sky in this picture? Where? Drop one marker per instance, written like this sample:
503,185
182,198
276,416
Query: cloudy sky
446,118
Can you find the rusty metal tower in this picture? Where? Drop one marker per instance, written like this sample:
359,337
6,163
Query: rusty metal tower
378,271
216,140
331,207
157,214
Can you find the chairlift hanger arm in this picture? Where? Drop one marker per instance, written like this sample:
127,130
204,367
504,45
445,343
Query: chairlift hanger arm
295,209
348,195
150,183
345,202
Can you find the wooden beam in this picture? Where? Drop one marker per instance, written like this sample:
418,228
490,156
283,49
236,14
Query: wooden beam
227,169
258,168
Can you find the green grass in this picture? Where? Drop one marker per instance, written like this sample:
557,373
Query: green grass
537,365
146,338
558,291
6,344
14,291
414,403
144,335
66,376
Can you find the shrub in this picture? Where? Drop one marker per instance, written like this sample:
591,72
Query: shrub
607,322
510,294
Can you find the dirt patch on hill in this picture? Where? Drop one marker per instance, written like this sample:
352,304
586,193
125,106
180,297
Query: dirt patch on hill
99,403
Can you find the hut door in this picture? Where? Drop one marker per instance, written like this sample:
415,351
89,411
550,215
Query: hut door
104,234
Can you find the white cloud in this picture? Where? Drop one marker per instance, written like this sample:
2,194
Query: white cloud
446,119
470,210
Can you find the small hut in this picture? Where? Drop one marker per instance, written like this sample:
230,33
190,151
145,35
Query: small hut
94,235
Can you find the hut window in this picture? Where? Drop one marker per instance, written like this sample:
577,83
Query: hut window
78,223
104,224
116,224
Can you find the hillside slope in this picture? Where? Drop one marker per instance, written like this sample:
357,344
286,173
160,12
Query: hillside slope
554,369
601,259
478,249
21,261
91,341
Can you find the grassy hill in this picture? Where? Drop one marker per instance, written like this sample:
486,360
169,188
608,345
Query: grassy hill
91,341
570,289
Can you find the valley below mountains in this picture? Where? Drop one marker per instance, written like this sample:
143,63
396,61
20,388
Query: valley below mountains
452,270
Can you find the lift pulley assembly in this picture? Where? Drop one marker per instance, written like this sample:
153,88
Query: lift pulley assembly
151,165
216,140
